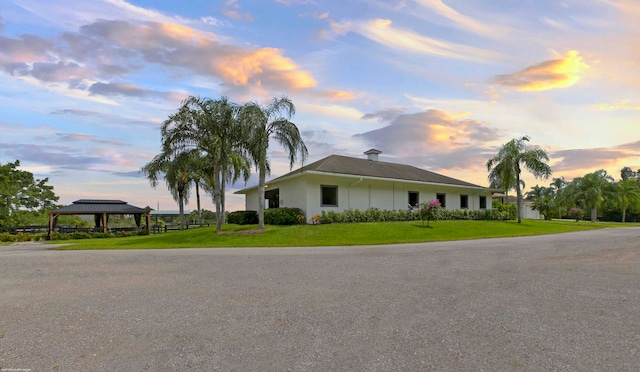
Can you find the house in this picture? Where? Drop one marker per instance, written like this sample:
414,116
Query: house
338,183
526,210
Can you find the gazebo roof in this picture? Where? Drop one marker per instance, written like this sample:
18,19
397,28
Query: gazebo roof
92,206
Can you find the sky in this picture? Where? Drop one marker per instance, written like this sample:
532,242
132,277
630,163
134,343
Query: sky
438,84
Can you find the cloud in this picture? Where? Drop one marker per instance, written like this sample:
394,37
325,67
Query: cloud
382,32
60,157
339,95
444,140
232,10
460,20
76,112
126,90
388,114
590,159
132,174
557,73
80,137
621,105
102,51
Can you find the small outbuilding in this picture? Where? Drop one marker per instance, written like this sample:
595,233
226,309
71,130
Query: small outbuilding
101,209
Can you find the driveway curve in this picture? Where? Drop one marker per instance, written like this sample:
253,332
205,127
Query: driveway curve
555,302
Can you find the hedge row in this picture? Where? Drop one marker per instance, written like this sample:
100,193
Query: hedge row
21,237
272,216
375,215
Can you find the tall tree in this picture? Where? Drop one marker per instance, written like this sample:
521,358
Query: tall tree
558,185
208,129
271,122
175,169
627,192
591,189
508,163
543,200
626,173
22,195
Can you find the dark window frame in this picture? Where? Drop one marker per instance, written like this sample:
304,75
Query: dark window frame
442,197
483,200
464,198
322,199
417,197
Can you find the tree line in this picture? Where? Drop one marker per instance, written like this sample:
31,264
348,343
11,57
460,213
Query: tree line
591,193
596,193
209,143
23,198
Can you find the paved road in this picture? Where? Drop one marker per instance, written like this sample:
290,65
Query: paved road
562,302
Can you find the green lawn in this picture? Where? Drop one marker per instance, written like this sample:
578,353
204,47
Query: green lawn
338,234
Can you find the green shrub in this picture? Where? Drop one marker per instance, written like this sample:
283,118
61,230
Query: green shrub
6,237
284,216
102,235
143,232
55,235
374,215
243,217
80,235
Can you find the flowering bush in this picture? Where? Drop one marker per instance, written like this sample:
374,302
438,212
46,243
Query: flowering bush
576,213
315,219
429,210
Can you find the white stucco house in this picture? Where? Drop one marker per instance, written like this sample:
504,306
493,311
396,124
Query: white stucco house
338,183
526,210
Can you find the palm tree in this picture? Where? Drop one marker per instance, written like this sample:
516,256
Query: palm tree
176,175
507,165
628,192
271,122
543,200
558,184
591,189
208,130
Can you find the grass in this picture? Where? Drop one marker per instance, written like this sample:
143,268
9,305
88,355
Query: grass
338,234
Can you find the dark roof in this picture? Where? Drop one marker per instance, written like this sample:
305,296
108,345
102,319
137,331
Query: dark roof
370,168
90,206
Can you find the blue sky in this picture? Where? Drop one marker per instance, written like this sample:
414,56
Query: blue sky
85,85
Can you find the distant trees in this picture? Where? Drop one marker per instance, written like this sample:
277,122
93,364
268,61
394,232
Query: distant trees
597,193
221,140
628,193
505,168
22,195
175,169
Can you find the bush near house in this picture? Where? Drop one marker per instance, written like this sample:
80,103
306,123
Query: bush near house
375,215
284,216
272,216
243,217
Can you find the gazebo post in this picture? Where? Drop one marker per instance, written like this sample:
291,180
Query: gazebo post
148,223
104,222
50,225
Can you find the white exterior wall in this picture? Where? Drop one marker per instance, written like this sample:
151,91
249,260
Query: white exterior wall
293,194
251,200
355,193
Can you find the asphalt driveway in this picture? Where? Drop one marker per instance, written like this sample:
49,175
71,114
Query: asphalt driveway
556,302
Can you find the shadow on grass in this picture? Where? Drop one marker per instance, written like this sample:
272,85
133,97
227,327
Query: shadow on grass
424,226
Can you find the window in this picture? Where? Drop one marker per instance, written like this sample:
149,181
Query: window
442,199
329,196
483,202
273,198
464,201
414,198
